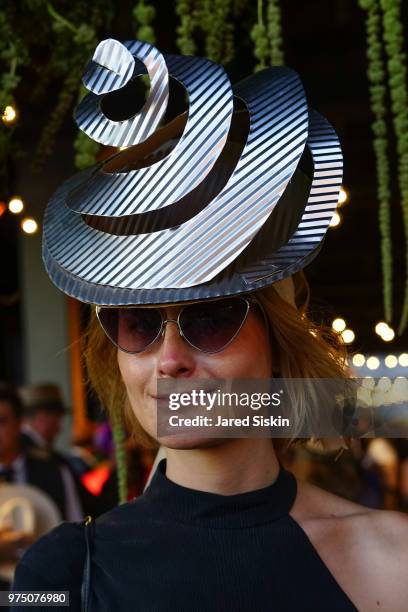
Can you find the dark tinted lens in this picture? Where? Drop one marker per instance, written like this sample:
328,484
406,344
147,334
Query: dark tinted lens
210,327
131,329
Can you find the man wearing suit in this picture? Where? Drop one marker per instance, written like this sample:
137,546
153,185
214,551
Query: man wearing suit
35,465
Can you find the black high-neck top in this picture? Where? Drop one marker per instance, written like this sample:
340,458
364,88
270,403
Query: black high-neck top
176,549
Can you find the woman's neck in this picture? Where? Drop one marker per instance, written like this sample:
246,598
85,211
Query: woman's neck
232,466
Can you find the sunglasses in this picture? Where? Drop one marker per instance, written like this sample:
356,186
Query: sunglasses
207,326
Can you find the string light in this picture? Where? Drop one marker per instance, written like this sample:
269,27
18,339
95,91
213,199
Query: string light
16,205
391,361
348,336
343,196
29,225
381,327
3,208
388,335
9,114
403,360
358,360
385,332
373,363
339,325
335,220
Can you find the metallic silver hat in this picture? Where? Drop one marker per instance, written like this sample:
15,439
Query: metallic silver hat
231,196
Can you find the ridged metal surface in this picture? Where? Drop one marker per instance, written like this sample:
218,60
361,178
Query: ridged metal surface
321,205
112,66
200,258
89,115
166,181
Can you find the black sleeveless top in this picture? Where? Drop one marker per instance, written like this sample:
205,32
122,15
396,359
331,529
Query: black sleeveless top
176,549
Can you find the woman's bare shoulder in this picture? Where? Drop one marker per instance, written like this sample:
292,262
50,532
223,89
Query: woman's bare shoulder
365,549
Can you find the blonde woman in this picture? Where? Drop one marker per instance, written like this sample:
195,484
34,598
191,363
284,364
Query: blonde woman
190,245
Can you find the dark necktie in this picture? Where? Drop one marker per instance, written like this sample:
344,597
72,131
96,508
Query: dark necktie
6,474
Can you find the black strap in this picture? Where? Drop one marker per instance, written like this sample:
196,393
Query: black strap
86,578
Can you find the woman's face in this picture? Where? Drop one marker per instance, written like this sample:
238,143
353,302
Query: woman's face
247,356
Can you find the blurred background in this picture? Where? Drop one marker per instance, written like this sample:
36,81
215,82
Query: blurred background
351,56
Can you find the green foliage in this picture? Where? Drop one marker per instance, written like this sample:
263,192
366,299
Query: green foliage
185,29
260,37
210,20
143,15
12,56
267,36
397,78
378,91
275,33
120,455
80,42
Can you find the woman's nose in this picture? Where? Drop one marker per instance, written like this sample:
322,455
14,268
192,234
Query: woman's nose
175,358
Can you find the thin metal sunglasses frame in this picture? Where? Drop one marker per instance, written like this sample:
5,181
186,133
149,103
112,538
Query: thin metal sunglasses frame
249,300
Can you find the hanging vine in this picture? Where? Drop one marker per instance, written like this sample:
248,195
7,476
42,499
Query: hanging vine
214,19
397,74
376,78
118,434
185,29
274,33
85,40
144,14
260,37
12,55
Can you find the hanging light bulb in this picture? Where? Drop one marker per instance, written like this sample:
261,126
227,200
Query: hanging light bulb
348,336
391,361
335,220
388,335
9,114
16,205
381,327
343,197
373,363
29,225
339,325
403,360
358,360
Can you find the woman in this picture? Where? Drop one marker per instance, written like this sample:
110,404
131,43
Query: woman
194,268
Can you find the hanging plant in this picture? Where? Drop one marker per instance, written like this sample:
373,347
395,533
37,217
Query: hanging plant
144,14
12,54
260,37
217,13
185,29
85,40
118,434
66,98
376,78
274,33
397,74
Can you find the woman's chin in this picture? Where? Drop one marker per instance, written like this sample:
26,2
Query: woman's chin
189,442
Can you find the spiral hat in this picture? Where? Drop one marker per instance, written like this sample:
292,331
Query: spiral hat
229,197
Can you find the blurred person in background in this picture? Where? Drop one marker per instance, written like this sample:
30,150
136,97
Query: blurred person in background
44,411
81,456
34,465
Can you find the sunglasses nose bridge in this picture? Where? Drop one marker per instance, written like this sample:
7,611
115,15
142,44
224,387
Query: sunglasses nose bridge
175,321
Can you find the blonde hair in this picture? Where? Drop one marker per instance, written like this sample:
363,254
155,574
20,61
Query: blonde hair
301,349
